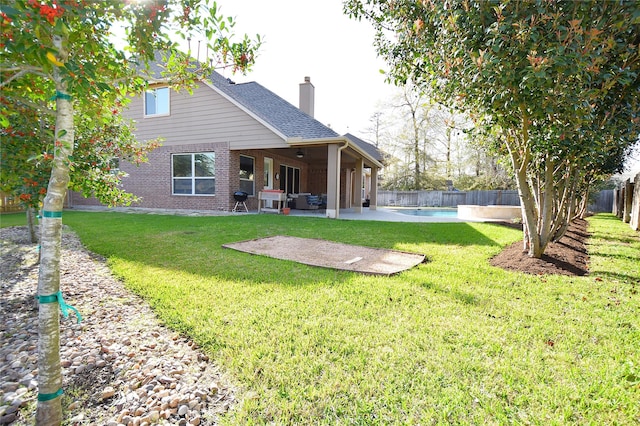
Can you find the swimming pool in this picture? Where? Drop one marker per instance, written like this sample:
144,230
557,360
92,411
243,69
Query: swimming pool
432,212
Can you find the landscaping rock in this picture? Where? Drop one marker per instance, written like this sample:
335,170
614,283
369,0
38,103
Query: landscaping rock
119,364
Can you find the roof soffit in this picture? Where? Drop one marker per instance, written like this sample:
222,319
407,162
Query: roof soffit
299,142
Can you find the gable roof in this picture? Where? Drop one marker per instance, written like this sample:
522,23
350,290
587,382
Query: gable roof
283,116
286,118
370,149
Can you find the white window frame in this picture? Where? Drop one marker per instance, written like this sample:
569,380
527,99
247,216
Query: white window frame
268,173
144,102
193,177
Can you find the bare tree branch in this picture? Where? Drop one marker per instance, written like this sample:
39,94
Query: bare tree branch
38,106
21,71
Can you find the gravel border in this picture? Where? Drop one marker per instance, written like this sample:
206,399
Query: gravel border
120,365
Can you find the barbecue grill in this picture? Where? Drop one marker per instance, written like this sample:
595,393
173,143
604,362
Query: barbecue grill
241,198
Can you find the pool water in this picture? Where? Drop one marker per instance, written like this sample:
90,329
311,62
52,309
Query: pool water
429,212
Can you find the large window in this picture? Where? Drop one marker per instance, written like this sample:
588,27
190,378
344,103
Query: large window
247,173
156,101
194,174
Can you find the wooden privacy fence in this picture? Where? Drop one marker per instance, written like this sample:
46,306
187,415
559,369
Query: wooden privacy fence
9,204
602,203
447,198
626,202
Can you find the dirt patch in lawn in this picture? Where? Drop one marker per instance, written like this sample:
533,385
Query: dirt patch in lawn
328,254
566,257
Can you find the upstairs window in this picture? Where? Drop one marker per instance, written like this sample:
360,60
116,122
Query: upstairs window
247,173
156,101
194,174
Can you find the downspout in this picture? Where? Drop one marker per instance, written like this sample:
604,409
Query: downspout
340,149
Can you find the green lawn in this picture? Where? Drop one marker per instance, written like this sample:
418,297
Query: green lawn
451,341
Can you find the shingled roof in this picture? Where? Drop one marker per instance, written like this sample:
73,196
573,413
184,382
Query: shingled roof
370,149
274,110
280,114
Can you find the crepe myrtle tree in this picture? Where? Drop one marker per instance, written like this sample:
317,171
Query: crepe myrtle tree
86,76
557,81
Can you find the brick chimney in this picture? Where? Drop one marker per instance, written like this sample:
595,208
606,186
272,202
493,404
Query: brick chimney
307,96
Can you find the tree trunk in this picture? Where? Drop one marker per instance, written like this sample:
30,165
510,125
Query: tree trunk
519,152
448,152
31,225
565,201
416,151
546,205
532,243
49,409
584,203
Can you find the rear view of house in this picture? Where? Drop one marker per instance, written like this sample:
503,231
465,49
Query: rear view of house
229,137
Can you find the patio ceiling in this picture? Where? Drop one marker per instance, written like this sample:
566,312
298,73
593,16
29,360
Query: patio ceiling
317,154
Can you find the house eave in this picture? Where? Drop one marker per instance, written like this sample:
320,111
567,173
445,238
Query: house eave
300,142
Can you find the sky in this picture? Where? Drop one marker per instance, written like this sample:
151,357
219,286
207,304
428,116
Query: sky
314,38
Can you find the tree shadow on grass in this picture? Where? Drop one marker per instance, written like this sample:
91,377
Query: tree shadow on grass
464,297
608,217
194,244
617,256
633,280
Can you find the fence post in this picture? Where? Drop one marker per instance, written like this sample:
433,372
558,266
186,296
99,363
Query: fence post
635,205
620,204
628,199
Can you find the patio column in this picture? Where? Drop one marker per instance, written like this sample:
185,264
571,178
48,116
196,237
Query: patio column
357,186
333,181
348,192
373,194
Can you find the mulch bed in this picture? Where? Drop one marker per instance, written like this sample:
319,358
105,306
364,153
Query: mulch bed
566,257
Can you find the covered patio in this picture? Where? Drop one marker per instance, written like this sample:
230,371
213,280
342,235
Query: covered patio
344,169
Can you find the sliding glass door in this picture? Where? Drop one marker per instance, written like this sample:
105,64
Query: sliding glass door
290,179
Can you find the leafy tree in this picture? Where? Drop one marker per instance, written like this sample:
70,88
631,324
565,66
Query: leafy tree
377,127
430,145
62,50
557,81
489,161
27,150
411,165
415,105
448,135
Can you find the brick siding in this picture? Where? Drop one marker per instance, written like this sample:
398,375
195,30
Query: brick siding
151,181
